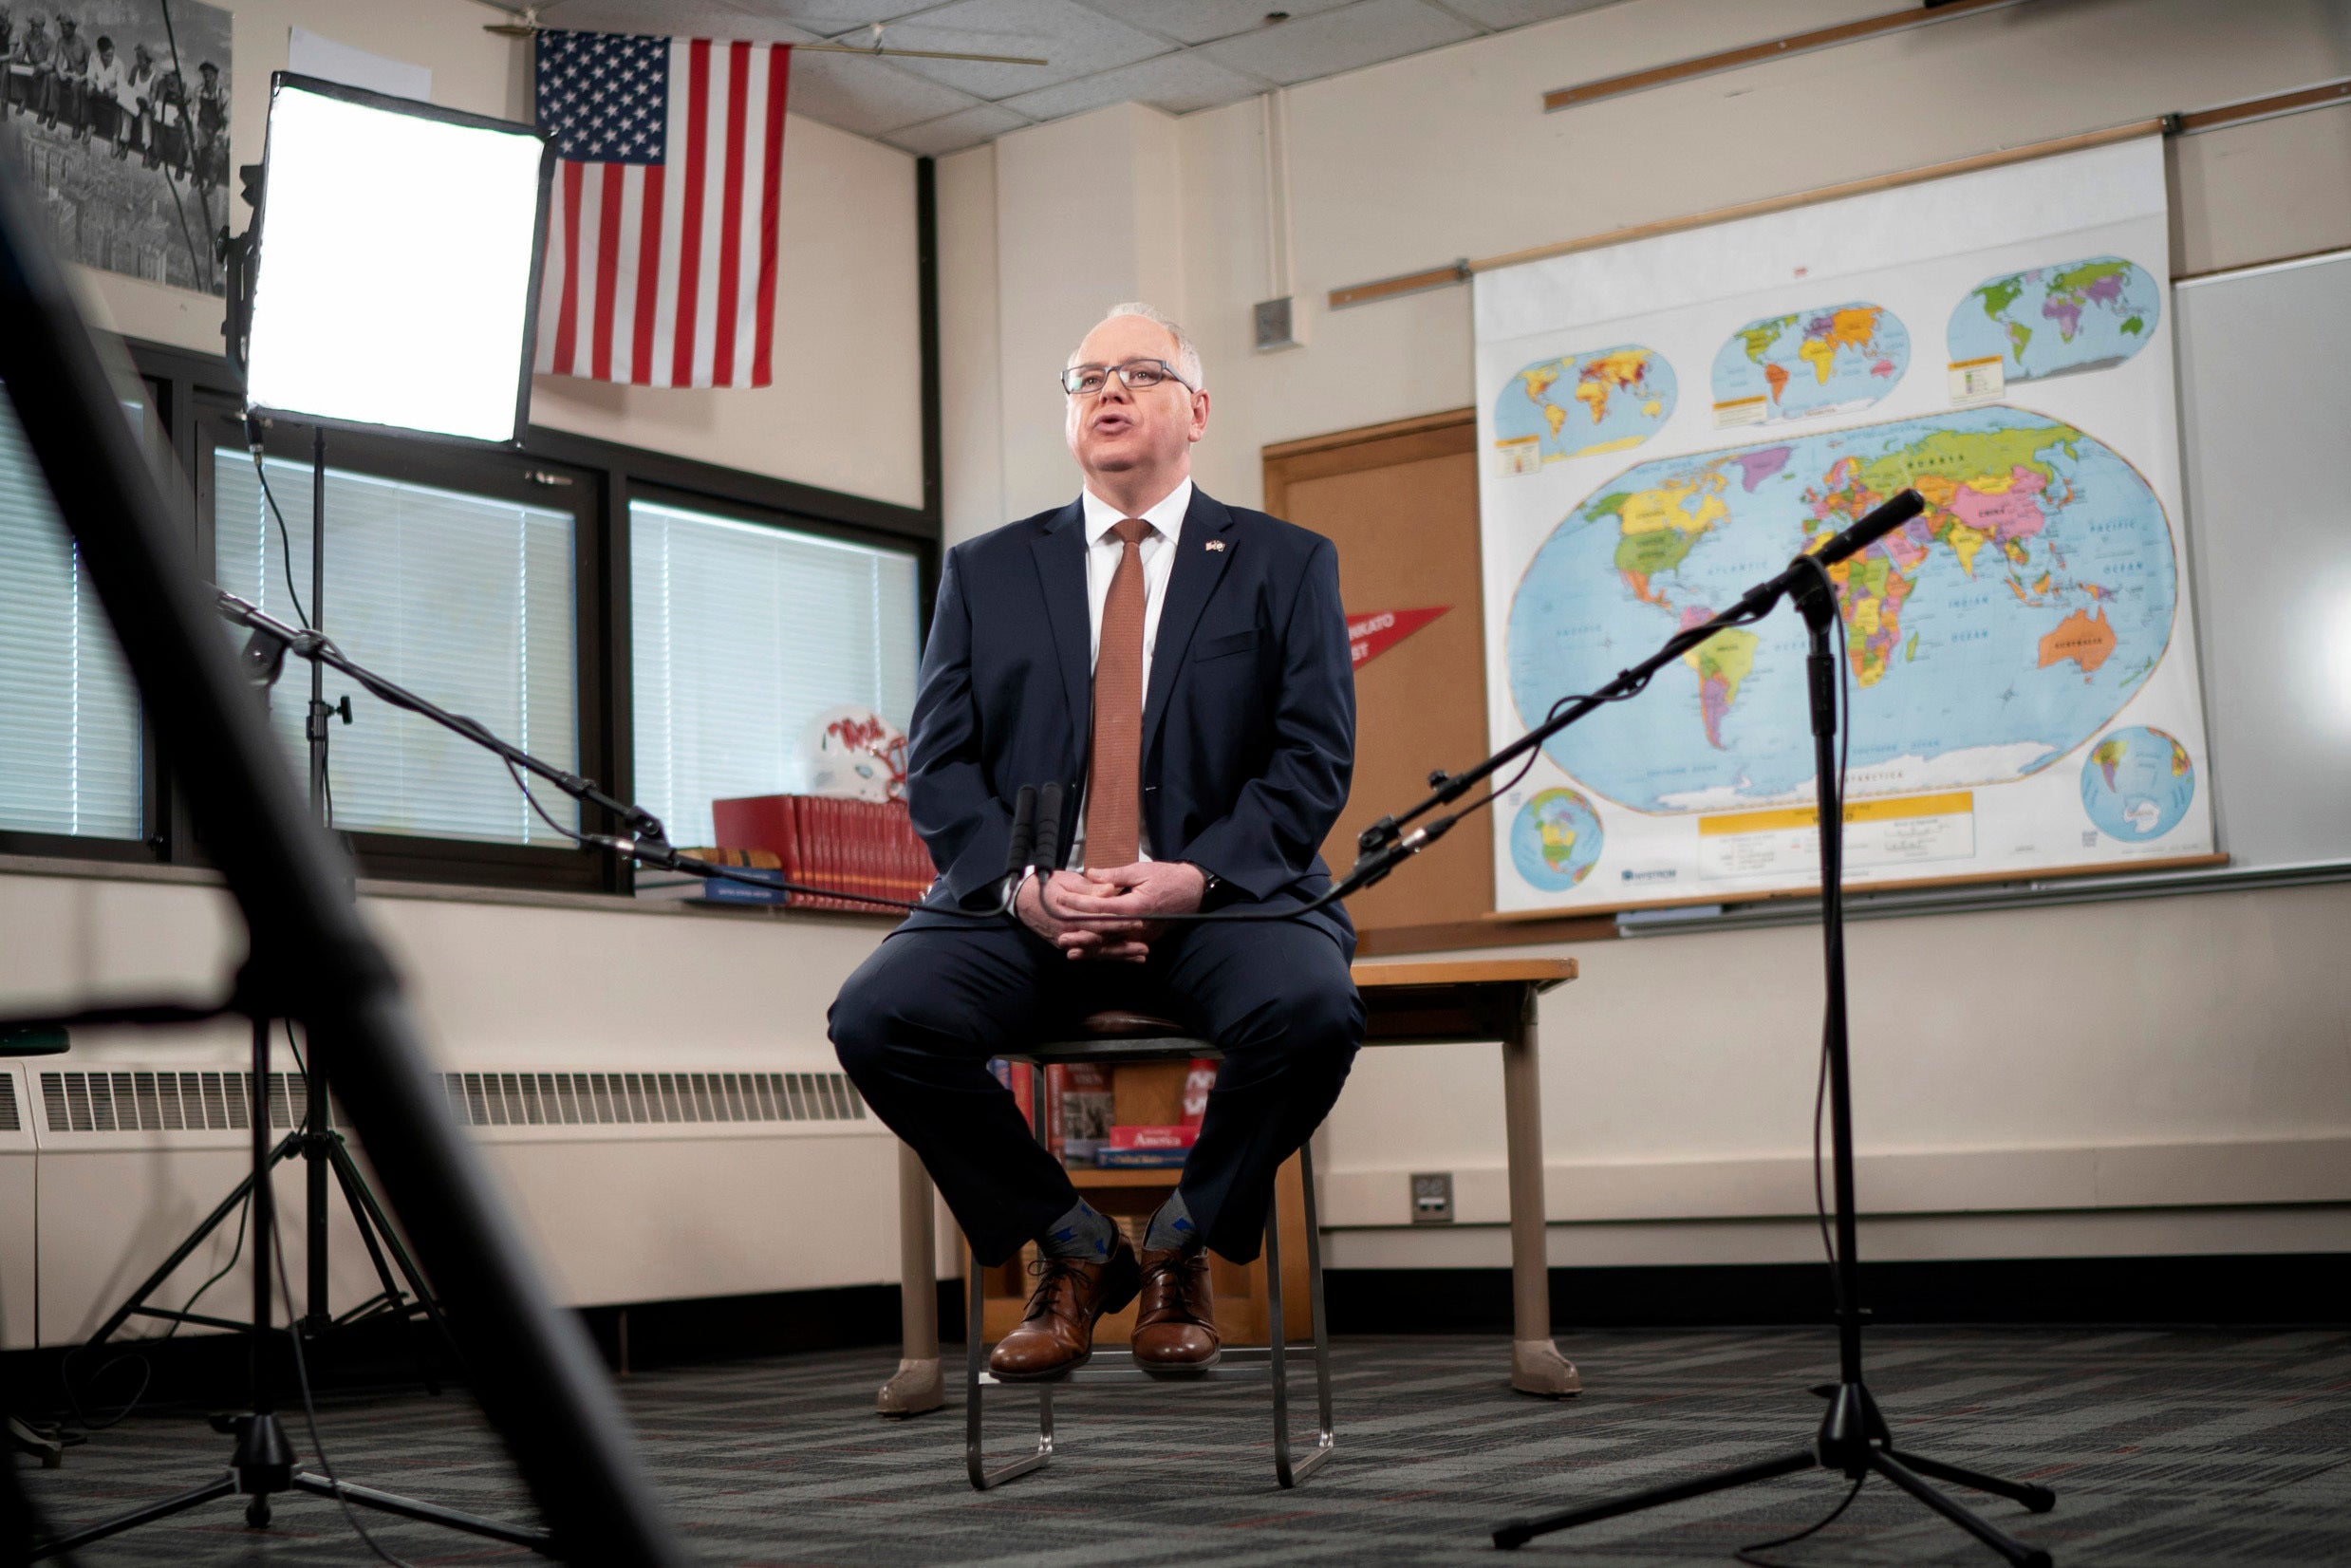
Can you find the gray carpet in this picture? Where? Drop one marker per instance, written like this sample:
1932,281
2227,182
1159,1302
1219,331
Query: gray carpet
2166,1448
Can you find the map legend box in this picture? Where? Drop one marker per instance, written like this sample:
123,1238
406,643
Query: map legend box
1905,831
1976,380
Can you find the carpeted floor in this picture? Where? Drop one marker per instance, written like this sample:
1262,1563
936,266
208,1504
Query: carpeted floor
2167,1448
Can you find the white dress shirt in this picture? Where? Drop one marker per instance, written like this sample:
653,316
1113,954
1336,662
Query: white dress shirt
1102,553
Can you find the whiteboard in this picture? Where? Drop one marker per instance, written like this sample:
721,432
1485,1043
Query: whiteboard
2264,373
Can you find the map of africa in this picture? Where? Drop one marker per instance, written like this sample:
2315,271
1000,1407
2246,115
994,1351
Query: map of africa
1987,639
2136,784
1814,362
1579,404
2054,321
1554,840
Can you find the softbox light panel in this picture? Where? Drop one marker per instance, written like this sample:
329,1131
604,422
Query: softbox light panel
396,264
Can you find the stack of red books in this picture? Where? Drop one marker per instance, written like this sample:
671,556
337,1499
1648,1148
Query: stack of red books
823,841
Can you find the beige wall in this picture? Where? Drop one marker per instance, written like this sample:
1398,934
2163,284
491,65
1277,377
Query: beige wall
845,412
2148,1077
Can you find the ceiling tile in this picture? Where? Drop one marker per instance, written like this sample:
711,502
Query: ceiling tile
1078,42
680,19
1361,34
952,133
869,97
830,17
1176,83
1198,21
1517,14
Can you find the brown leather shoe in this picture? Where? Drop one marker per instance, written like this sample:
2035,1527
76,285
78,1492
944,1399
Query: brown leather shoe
1056,1334
1175,1329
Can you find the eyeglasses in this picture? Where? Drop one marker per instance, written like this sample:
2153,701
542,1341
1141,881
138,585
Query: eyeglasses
1084,381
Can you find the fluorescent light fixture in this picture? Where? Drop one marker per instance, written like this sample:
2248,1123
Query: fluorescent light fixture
396,266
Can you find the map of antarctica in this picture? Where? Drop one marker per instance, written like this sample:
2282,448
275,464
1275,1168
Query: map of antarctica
1988,639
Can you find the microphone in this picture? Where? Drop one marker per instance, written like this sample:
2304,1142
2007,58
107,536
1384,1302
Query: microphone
1023,830
1872,527
1046,856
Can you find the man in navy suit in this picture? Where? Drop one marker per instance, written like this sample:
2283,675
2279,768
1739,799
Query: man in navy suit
1184,665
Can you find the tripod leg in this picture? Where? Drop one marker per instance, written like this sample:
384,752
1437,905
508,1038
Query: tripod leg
1518,1532
132,1521
184,1251
363,1202
1999,1541
352,1187
390,1502
2039,1499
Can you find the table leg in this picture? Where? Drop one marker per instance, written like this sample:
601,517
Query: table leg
918,1385
1535,1365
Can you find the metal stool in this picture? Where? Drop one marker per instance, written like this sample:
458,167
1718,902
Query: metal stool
1122,1037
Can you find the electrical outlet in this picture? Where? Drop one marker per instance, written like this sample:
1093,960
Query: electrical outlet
1432,1198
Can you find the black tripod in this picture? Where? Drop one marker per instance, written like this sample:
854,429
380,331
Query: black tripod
1853,1436
316,1141
262,1464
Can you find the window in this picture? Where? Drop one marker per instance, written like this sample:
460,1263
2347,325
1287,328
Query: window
465,599
741,633
70,750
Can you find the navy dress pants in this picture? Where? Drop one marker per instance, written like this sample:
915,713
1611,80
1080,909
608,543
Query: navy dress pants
916,1024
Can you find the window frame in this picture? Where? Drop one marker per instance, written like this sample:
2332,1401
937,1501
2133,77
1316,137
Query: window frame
194,392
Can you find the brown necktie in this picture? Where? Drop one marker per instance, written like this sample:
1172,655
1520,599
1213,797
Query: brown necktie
1114,781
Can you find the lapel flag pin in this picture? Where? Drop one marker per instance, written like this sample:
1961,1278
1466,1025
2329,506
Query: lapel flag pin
1216,544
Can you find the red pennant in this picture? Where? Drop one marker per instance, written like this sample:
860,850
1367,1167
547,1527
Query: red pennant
1369,636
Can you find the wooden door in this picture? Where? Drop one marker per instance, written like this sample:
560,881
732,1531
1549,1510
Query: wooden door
1401,502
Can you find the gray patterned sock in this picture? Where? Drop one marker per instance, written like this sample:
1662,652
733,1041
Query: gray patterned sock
1083,1233
1172,1227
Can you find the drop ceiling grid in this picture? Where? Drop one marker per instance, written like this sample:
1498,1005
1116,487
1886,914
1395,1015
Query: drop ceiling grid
1175,55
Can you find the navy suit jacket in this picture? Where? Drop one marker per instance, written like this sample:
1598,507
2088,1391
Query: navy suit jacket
1248,720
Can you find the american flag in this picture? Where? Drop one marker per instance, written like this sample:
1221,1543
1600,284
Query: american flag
660,241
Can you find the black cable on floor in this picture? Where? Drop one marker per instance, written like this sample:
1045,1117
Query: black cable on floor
1746,1553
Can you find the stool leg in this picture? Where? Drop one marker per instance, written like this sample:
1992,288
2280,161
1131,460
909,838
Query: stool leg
1327,1437
974,1350
1287,1472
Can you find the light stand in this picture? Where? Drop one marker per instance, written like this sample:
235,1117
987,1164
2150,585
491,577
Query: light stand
311,958
1853,1437
316,1141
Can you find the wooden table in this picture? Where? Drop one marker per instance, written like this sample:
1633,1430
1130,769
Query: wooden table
1445,1002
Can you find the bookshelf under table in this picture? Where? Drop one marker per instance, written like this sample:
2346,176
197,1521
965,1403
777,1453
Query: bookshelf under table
1437,1002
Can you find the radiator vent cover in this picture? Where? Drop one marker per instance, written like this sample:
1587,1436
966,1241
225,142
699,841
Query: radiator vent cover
160,1102
586,1099
12,1120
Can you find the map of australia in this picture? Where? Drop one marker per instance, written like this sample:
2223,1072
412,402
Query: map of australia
1604,400
2058,320
1990,637
1829,360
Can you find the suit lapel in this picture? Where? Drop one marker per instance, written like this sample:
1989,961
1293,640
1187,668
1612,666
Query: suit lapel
1061,552
1197,571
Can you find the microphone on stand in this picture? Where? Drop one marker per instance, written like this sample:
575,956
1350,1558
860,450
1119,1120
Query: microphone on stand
1873,527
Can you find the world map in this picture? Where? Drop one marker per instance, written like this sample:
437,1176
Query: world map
1829,360
1987,639
1554,840
2057,321
2136,784
1606,401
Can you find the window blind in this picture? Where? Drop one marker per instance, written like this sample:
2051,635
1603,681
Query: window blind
740,635
69,732
465,600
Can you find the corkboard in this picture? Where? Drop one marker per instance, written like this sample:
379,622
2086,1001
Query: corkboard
1401,502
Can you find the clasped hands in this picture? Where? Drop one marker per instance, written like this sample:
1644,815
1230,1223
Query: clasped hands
1133,895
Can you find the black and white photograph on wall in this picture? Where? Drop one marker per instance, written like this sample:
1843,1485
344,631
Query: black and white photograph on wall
119,110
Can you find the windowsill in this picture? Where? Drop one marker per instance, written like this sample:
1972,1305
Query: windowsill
437,892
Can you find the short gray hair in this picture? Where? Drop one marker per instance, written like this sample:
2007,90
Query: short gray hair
1187,355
